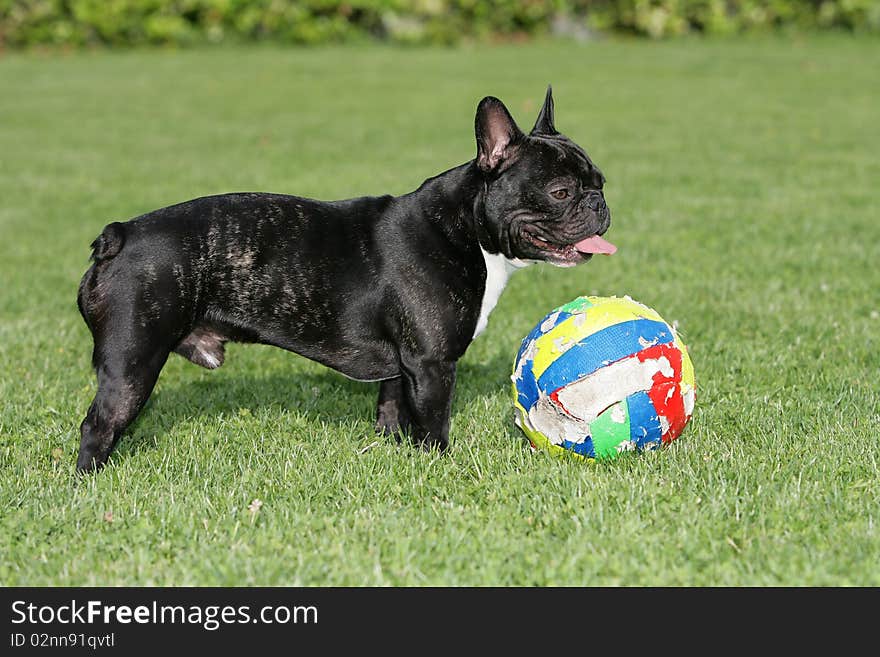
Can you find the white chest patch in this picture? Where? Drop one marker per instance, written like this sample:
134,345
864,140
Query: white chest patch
498,270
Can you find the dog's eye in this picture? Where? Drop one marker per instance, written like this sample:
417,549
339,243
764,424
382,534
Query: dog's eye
559,194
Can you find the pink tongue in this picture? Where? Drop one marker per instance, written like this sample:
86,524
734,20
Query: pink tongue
595,244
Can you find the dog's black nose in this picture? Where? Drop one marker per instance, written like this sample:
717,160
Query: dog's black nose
595,201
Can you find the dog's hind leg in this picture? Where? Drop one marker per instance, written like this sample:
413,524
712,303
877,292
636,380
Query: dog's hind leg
392,410
135,310
131,347
125,381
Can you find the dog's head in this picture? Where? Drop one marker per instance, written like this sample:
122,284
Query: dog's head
542,197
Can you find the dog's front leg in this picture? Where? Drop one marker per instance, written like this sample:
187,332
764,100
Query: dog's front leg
392,410
428,386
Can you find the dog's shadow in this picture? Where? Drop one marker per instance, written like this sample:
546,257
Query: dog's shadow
325,396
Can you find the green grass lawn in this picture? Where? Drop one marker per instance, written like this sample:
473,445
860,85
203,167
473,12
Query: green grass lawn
742,178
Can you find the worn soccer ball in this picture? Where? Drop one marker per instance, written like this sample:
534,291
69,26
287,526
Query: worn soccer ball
600,376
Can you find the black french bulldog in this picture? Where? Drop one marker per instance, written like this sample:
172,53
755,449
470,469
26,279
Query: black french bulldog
389,289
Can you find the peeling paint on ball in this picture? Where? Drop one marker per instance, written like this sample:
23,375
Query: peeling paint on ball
600,376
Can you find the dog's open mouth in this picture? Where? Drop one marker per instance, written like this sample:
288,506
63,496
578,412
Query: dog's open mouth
572,253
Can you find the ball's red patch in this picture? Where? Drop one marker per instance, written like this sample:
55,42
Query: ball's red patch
665,394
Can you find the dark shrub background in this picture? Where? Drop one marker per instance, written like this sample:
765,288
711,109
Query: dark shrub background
183,22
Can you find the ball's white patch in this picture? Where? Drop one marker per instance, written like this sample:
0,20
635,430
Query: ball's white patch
528,356
618,415
498,270
664,424
647,343
689,398
552,421
548,323
563,344
591,395
625,446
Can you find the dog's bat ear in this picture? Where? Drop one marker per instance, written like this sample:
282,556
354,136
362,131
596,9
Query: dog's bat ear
544,124
496,131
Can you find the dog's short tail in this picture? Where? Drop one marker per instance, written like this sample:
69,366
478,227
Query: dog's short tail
109,242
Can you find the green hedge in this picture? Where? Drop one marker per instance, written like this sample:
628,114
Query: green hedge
132,22
661,18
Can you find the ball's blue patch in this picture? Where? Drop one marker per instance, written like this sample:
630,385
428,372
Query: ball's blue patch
527,387
644,423
584,448
602,348
538,331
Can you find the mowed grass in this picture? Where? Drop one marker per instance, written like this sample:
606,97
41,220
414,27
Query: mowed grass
742,178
